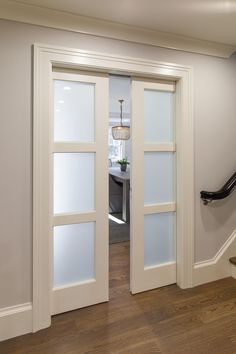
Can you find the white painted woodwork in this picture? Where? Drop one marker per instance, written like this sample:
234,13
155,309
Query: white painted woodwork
84,293
159,208
166,275
74,147
15,321
146,278
73,218
45,58
219,266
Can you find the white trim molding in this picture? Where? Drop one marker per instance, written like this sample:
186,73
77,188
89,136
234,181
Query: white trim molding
219,266
15,321
46,58
41,16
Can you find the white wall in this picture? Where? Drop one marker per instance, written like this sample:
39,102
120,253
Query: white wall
215,143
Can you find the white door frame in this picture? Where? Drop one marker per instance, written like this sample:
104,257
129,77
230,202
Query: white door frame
45,58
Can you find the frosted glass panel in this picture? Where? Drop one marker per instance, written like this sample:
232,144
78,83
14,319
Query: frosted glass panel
158,116
73,111
158,177
73,253
159,240
74,182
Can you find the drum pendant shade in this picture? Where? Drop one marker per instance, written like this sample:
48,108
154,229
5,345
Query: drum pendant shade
121,132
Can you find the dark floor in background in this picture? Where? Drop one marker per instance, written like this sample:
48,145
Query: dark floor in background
118,232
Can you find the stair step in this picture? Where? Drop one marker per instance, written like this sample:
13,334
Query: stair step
233,260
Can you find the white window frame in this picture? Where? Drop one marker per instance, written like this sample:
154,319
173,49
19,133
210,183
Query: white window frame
47,56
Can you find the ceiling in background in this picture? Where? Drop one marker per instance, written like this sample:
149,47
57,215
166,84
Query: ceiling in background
212,20
119,89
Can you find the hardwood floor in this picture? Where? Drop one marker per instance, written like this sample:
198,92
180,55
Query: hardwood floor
168,320
118,232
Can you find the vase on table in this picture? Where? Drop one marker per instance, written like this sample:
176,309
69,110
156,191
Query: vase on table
123,168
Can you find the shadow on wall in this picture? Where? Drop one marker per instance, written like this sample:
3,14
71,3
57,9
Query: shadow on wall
217,213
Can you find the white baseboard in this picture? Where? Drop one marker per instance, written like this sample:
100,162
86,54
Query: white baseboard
15,321
218,267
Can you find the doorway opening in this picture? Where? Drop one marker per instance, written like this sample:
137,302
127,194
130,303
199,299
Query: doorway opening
119,182
119,150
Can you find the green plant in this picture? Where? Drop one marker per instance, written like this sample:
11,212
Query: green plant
123,162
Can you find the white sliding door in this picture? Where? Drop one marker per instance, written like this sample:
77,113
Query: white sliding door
153,207
80,191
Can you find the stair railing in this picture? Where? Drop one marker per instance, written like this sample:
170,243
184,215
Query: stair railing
222,193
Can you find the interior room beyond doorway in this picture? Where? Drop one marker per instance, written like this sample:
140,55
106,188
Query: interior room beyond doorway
119,151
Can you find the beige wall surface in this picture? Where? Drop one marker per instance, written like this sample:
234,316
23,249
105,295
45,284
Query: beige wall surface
214,134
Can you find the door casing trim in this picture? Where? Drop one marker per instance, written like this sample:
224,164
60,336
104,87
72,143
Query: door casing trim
45,58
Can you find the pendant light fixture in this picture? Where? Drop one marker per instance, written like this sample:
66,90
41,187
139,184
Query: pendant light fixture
121,132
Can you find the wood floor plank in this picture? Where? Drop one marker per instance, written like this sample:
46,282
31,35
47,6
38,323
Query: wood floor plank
167,320
207,338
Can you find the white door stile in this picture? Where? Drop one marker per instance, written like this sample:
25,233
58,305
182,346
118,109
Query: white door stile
85,293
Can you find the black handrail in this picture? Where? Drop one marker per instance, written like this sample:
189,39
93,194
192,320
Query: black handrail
222,193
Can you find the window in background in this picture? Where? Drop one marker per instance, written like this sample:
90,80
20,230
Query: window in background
116,148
